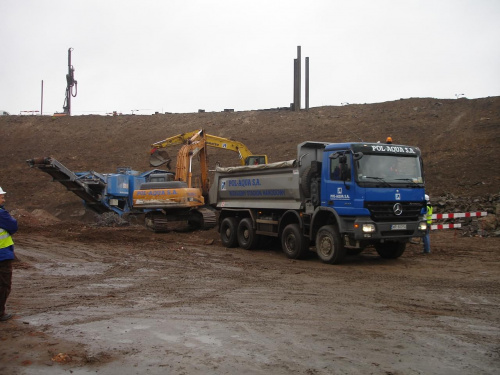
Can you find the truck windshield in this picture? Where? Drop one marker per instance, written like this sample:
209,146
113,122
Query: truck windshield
389,169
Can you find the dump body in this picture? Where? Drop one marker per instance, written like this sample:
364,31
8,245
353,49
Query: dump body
270,186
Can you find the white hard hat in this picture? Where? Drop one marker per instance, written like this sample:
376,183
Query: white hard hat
2,192
427,198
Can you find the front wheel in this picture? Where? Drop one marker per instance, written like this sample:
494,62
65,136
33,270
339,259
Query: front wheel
247,238
390,250
293,242
228,232
329,245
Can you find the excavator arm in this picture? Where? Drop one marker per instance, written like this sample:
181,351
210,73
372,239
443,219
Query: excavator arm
246,157
159,156
183,170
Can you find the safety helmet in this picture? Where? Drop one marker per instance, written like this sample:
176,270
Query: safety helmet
2,192
427,199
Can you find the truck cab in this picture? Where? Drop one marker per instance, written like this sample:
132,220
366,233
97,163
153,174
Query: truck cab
377,189
366,193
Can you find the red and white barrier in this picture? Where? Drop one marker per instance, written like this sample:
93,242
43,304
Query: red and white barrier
454,216
445,226
457,215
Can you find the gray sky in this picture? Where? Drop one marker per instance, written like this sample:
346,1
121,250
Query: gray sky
185,55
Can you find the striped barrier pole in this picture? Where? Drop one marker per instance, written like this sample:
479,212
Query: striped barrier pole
454,216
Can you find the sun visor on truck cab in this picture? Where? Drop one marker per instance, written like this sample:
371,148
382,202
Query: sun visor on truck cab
387,149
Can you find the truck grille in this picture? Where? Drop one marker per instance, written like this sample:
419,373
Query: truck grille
384,211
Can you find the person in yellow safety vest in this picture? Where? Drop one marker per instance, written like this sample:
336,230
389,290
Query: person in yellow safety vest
428,217
8,226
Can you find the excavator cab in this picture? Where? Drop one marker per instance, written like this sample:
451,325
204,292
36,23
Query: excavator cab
256,160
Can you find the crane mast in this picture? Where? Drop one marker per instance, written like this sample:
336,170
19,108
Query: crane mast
71,82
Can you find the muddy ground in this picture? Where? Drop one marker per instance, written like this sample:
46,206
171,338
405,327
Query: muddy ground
127,301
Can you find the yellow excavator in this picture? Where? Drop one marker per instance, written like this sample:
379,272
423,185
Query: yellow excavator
180,202
159,155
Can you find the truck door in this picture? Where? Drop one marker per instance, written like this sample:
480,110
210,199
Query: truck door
337,191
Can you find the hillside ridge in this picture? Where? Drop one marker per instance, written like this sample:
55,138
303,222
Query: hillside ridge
459,140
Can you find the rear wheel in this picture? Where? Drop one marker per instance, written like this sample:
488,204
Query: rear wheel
247,238
329,246
293,242
390,250
228,232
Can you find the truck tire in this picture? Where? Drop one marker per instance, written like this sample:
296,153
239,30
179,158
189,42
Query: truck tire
315,193
293,242
329,245
247,238
228,232
305,181
390,250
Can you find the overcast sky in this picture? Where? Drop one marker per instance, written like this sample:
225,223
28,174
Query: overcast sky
184,55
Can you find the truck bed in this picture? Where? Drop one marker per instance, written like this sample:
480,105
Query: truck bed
267,186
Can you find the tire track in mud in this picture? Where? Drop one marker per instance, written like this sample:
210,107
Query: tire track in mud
280,313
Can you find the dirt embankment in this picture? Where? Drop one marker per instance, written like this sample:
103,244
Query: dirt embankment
459,140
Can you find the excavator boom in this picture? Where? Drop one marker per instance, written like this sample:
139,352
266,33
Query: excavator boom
159,155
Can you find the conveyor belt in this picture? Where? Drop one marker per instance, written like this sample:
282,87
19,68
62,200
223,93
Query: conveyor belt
87,186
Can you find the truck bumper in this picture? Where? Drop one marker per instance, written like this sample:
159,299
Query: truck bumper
391,231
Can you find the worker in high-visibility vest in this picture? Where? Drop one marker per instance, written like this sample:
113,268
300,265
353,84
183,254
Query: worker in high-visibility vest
8,226
428,218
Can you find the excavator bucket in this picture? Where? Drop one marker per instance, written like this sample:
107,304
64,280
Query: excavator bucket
159,157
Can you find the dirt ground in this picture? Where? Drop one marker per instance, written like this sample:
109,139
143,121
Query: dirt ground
108,300
127,301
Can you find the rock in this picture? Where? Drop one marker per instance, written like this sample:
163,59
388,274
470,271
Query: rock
489,223
44,217
485,226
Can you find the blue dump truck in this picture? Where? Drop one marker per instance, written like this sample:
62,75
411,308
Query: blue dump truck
334,198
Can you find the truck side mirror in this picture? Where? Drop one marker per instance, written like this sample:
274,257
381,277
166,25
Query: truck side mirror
357,155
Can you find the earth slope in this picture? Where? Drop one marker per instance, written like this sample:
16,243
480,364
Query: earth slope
459,140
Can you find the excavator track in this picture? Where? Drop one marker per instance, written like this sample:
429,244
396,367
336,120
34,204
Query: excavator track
209,218
157,222
200,218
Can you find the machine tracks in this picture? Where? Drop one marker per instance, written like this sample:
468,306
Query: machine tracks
197,218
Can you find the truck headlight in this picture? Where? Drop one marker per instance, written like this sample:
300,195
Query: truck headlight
368,228
422,226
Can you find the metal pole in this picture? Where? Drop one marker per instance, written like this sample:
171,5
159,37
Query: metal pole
41,104
70,75
295,80
307,83
299,75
